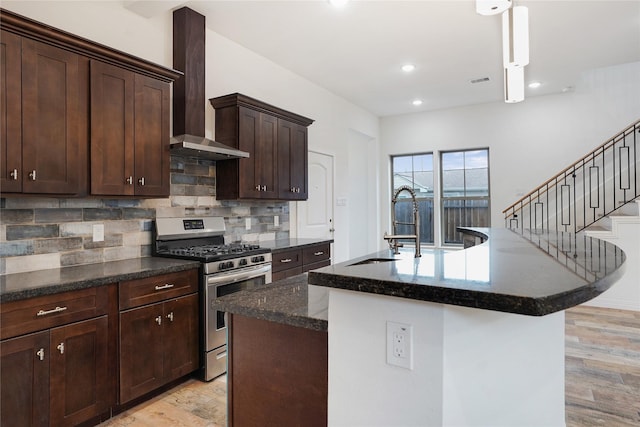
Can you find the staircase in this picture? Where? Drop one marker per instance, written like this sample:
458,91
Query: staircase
623,230
596,197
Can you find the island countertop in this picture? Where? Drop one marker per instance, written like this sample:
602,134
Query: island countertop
534,274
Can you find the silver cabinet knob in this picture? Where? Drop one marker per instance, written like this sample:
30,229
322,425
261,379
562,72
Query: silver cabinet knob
32,175
159,320
170,316
141,181
129,180
14,174
60,348
40,354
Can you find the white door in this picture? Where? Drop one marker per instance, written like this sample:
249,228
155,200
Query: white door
315,215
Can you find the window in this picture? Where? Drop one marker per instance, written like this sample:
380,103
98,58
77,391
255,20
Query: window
465,192
463,183
416,172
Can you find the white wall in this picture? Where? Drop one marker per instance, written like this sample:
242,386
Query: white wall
229,68
470,367
528,142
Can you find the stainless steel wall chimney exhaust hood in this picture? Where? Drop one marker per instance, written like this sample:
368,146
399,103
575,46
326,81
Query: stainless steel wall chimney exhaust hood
198,146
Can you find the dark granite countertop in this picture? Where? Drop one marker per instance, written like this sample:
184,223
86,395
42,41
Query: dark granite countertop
286,244
290,301
19,286
533,274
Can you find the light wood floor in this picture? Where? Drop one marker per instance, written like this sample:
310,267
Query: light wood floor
602,386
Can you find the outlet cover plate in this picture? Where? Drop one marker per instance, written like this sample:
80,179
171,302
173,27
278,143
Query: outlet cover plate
400,345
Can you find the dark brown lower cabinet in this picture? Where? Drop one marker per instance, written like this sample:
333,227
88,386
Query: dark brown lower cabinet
24,380
57,377
289,262
79,372
277,374
158,344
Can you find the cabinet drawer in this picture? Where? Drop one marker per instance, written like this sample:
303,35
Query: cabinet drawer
35,314
286,260
134,293
316,253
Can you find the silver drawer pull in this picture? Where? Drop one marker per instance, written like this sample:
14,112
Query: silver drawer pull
60,348
58,309
159,320
318,253
14,174
40,354
129,180
170,316
32,175
165,286
141,181
286,260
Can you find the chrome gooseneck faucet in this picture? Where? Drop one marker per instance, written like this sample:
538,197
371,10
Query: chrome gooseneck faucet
393,239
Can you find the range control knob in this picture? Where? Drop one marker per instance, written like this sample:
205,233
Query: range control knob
261,258
225,265
243,261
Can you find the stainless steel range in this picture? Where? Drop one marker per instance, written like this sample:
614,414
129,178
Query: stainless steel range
226,268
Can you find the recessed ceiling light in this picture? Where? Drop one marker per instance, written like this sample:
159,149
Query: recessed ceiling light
338,3
535,85
407,68
417,102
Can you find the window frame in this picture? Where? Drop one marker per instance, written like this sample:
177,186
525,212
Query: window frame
442,199
418,199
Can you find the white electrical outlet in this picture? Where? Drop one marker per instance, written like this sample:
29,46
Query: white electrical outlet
276,220
247,223
400,345
98,232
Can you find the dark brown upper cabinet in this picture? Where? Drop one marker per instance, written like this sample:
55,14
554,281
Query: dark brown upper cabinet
277,143
64,121
43,121
129,133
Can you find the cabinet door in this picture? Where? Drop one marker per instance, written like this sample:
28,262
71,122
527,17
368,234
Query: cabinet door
24,379
249,140
257,134
11,113
151,137
51,120
181,337
141,351
292,161
112,95
79,374
266,156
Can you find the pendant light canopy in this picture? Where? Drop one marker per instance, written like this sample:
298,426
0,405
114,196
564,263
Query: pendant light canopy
513,84
515,37
492,7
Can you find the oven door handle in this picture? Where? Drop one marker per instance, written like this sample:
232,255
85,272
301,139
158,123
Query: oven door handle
235,276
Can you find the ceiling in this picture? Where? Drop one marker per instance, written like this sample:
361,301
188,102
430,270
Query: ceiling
356,51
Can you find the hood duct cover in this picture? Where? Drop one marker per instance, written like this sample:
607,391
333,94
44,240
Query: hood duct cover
198,146
188,91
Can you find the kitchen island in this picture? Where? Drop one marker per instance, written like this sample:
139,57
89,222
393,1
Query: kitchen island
485,326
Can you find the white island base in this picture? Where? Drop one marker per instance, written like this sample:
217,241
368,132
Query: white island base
471,367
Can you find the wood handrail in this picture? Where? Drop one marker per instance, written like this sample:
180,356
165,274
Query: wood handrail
602,147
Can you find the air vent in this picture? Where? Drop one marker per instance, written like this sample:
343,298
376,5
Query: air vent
480,80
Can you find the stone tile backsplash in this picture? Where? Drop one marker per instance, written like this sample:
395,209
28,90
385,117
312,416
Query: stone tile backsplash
38,233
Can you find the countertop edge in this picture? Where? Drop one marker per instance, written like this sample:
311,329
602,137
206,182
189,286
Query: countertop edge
157,266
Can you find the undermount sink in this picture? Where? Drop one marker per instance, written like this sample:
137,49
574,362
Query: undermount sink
372,261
